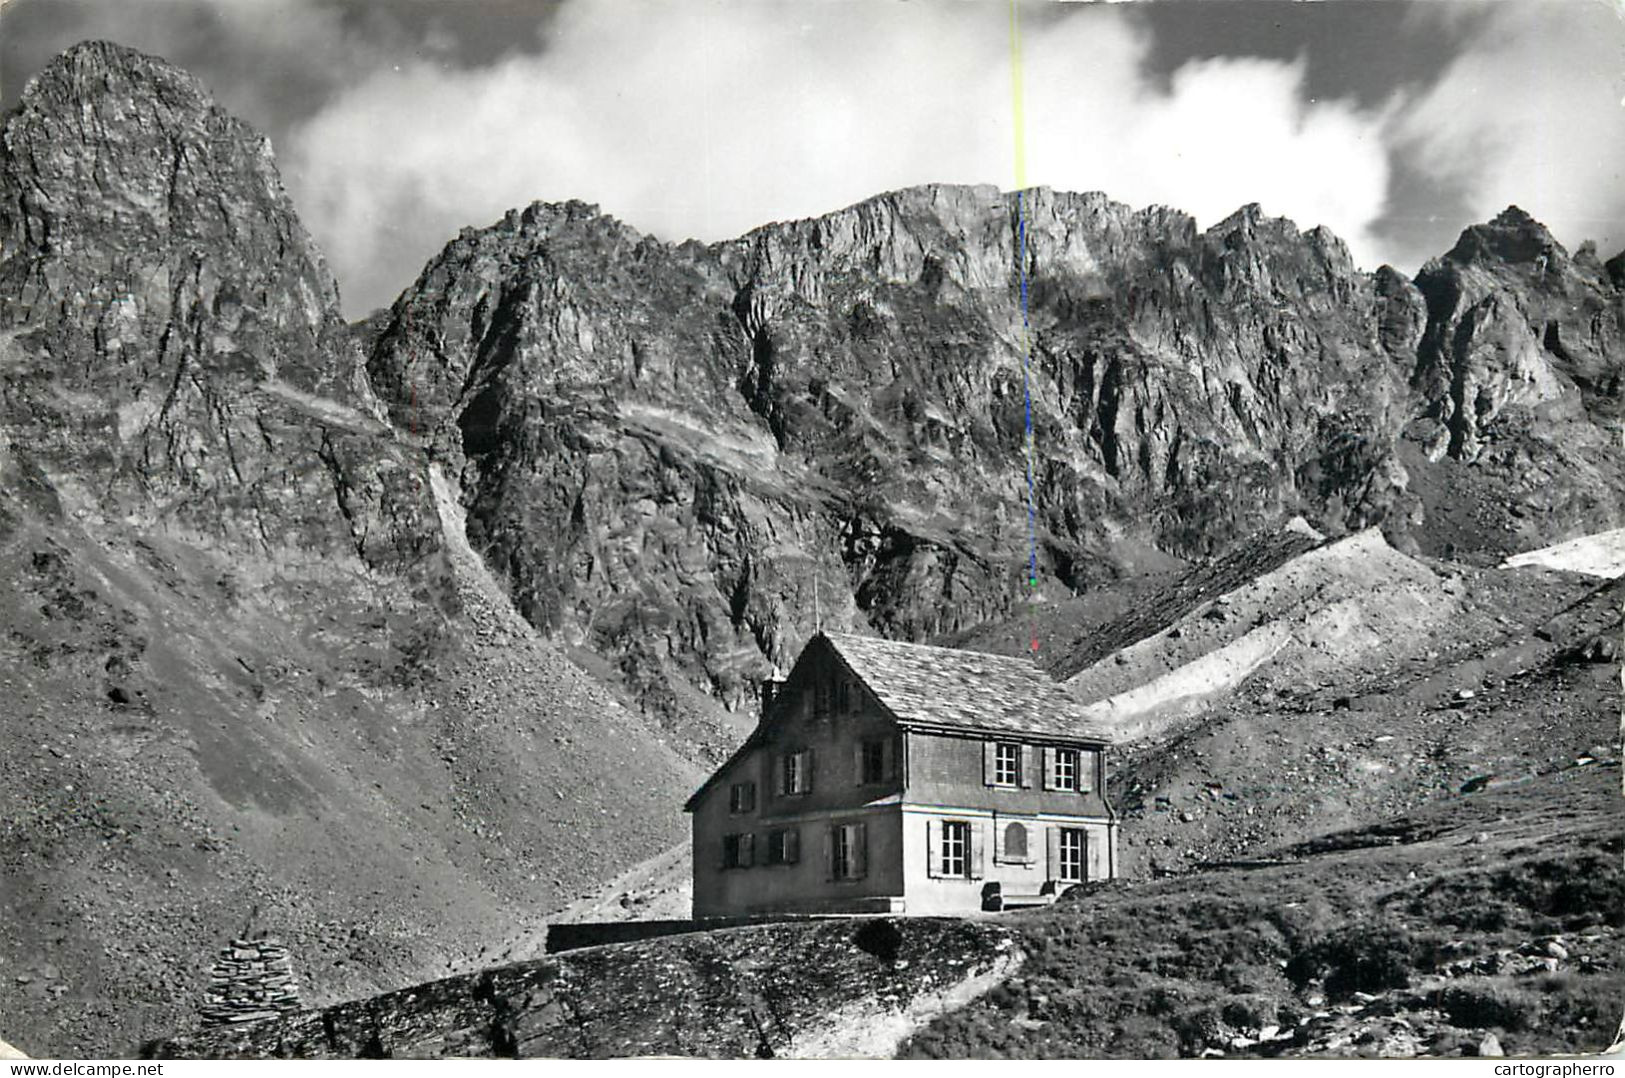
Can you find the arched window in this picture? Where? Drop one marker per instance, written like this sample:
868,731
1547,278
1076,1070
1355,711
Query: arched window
1015,842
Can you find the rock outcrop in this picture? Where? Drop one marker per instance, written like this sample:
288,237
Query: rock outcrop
837,989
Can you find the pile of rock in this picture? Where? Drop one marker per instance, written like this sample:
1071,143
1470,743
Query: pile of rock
252,979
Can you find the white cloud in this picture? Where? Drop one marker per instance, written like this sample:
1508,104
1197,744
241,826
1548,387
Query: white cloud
707,120
1530,113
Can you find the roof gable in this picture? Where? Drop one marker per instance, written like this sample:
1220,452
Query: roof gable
945,687
933,687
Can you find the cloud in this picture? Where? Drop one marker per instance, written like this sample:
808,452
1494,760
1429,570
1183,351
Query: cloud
399,123
1532,113
706,120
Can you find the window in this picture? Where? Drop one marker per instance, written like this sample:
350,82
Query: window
849,855
738,851
843,696
1015,843
872,762
955,848
742,798
1066,770
1070,869
783,847
795,772
1006,764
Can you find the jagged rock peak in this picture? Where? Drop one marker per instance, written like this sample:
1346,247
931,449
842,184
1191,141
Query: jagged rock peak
106,135
1511,236
121,177
91,68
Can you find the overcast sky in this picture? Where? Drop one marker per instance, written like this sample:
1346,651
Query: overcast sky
397,122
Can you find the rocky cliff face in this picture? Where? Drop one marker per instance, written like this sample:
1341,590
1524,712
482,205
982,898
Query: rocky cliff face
173,344
247,661
663,448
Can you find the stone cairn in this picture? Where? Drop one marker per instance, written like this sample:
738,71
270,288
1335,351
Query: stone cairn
252,979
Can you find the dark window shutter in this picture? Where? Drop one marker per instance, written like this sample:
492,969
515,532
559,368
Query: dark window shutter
806,771
780,787
792,846
978,849
1025,775
860,850
747,850
829,853
990,764
1053,841
933,848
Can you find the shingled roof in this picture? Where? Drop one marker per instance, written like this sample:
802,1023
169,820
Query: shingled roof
945,687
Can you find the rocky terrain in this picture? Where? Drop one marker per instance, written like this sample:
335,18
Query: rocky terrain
826,990
392,639
1486,924
250,670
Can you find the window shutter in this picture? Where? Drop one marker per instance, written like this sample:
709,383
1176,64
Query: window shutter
990,755
860,850
747,850
1053,839
998,840
779,786
933,848
792,846
829,853
1088,760
1049,767
1025,775
978,849
806,771
857,763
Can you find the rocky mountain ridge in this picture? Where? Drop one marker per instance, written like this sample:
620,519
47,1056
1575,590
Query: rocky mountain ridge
663,447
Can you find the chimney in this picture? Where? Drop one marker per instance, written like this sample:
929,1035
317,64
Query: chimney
770,691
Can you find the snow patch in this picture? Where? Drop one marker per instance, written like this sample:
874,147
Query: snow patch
1600,554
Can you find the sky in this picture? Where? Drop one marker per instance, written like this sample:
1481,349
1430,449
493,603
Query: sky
398,122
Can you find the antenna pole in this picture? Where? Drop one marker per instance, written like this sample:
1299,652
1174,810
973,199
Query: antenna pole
818,617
